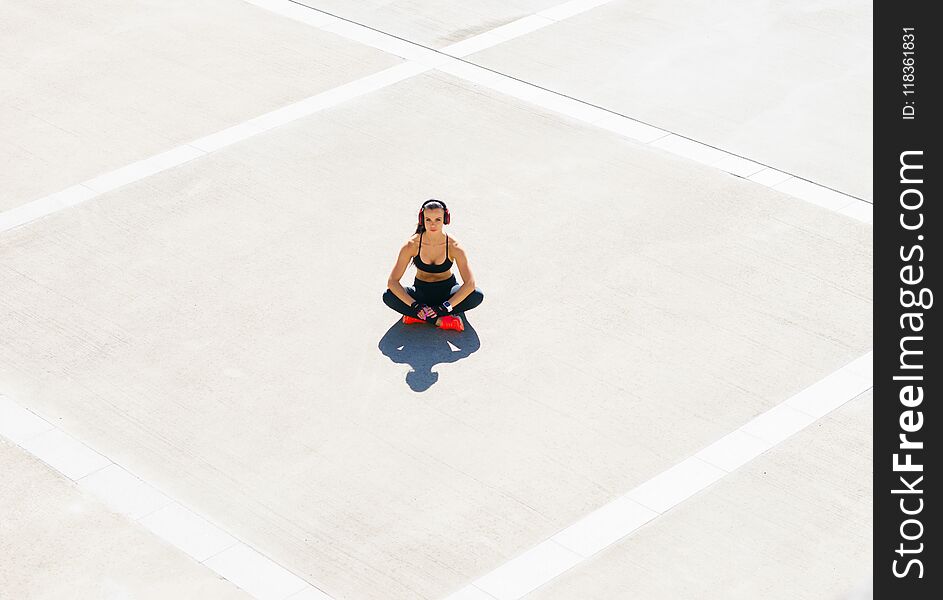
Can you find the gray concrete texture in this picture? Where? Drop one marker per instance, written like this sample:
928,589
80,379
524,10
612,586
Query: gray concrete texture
797,519
58,541
217,327
92,86
785,84
432,23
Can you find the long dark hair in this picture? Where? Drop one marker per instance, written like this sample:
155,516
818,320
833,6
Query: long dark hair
430,205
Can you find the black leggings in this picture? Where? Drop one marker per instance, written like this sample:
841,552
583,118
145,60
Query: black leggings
432,293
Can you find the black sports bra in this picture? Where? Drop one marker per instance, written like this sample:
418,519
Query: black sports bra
433,268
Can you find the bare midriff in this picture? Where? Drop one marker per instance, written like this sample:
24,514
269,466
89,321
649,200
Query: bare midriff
429,276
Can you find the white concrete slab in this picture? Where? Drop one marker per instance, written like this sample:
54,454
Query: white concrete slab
88,89
142,168
733,450
65,453
778,424
309,593
470,73
571,8
527,571
747,79
824,396
435,23
19,424
793,524
474,44
863,366
549,100
738,166
862,211
297,11
518,27
46,205
123,492
604,526
770,177
647,501
257,574
58,541
127,494
676,484
813,193
470,593
188,531
629,128
306,107
689,149
203,349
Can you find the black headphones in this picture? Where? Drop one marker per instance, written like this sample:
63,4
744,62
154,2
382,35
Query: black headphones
445,219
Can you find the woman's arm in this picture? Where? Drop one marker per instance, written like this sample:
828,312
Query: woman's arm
468,279
461,293
402,261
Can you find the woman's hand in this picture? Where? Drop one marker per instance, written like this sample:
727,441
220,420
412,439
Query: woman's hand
423,311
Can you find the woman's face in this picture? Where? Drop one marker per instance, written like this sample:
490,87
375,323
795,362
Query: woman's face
433,218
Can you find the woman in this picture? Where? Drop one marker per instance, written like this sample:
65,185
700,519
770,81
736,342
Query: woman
435,297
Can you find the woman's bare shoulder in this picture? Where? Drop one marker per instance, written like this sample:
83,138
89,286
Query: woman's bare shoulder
455,246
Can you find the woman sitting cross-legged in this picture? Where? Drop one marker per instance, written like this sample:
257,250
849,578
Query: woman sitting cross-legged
435,297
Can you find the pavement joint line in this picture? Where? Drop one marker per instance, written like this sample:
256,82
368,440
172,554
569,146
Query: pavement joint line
815,193
497,583
80,463
601,117
420,59
619,518
564,550
458,50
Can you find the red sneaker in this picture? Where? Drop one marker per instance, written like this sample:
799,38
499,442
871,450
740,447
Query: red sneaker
452,322
407,319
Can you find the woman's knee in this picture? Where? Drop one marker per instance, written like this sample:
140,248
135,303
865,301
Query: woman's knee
473,299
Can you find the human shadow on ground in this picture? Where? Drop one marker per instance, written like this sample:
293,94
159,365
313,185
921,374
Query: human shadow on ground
422,346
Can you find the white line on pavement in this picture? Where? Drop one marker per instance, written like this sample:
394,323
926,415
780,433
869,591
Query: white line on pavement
264,578
419,60
143,503
649,500
448,62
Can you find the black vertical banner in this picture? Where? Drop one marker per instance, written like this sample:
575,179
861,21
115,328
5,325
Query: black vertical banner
907,373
